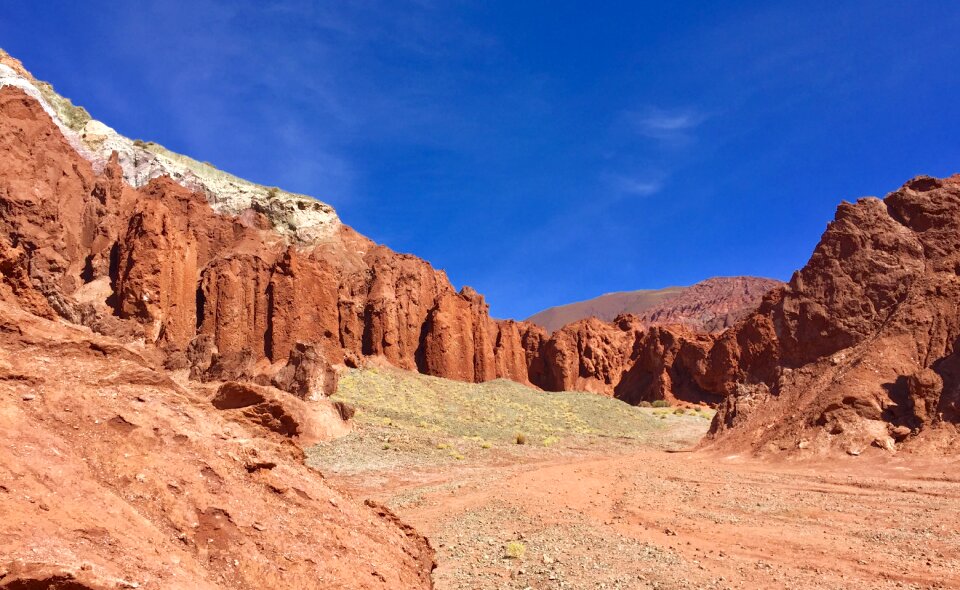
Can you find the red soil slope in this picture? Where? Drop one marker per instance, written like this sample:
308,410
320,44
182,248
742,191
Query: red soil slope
113,475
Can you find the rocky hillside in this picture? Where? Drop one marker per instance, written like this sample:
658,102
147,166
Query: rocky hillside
858,350
708,306
222,279
229,280
605,307
114,476
118,470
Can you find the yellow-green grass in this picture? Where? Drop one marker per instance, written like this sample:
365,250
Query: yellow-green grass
498,410
406,420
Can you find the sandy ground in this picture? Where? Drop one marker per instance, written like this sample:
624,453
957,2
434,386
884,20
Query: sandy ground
646,518
576,508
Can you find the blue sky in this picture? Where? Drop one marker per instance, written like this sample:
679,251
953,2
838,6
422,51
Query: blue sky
541,152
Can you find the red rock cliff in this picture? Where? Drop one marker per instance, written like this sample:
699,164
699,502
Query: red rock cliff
174,271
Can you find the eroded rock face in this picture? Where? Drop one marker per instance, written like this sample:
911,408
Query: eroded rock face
183,272
161,282
589,355
221,291
859,349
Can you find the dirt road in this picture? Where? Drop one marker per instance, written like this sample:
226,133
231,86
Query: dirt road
595,511
650,519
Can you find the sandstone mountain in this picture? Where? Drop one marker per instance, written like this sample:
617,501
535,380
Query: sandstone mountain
223,277
708,306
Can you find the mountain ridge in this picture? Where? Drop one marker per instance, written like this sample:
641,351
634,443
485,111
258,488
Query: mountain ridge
710,305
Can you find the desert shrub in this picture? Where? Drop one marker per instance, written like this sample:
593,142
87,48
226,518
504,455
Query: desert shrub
520,438
645,404
515,550
660,403
680,411
550,440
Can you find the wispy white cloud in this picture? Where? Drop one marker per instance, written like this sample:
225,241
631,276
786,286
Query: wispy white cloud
654,142
636,186
347,68
669,125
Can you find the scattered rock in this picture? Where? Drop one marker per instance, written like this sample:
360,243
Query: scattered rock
900,432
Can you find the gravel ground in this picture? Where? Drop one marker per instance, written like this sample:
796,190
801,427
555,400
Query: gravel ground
587,511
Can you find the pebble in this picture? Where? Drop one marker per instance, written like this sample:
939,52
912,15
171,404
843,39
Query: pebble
28,396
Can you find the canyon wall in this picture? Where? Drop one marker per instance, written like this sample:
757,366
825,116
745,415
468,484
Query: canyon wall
231,280
157,262
859,349
108,242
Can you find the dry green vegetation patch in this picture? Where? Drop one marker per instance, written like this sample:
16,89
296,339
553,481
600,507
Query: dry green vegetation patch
497,410
404,418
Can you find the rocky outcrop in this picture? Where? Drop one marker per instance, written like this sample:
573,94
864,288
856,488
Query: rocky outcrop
589,355
859,349
297,217
229,297
120,474
307,374
626,360
208,280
